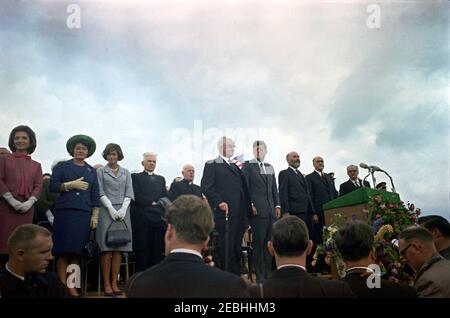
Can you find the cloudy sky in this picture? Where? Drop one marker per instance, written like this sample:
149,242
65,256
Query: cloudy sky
173,76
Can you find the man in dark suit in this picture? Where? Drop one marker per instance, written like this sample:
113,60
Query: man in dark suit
186,185
146,212
355,244
224,185
322,190
265,201
294,192
25,276
183,273
290,244
354,183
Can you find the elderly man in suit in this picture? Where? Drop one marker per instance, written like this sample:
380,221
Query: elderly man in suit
353,183
225,187
290,244
322,190
417,247
185,185
146,212
183,274
294,191
262,186
355,244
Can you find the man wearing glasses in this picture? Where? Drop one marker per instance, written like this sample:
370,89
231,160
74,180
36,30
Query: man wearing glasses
416,247
354,183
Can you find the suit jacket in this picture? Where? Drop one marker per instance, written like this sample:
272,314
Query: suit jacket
75,199
357,280
183,275
223,182
294,193
349,186
262,188
183,187
147,191
322,190
46,285
294,282
433,279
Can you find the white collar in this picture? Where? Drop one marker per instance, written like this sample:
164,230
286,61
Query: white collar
319,173
149,173
295,169
292,265
186,251
14,274
367,269
227,160
260,162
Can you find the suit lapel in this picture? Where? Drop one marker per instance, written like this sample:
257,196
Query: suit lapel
234,168
301,178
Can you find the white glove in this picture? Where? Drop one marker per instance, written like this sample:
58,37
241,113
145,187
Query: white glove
108,205
50,217
123,210
24,207
11,201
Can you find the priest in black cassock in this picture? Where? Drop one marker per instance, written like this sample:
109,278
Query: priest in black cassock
148,228
186,185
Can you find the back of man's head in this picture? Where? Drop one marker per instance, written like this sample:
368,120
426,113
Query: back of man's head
290,237
192,219
24,237
438,223
354,241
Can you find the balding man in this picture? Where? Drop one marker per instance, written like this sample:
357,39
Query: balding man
322,190
186,185
353,183
225,187
294,193
416,246
148,228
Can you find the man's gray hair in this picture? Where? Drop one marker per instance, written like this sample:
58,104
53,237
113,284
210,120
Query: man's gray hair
148,154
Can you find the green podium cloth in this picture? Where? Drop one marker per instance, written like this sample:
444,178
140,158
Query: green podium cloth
361,196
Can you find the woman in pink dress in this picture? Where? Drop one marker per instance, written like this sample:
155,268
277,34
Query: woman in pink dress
20,184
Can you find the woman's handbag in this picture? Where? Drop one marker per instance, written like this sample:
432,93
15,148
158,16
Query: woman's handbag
91,249
118,234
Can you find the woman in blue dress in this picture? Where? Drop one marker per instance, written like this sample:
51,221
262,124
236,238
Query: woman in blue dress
77,208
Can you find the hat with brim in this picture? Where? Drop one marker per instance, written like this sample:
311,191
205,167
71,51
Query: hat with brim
85,140
380,185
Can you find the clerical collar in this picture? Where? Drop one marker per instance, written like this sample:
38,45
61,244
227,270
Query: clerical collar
292,265
149,173
227,160
186,251
188,182
14,274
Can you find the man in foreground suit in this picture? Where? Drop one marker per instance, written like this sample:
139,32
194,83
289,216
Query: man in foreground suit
183,273
355,244
224,185
263,192
186,185
354,183
290,244
294,193
147,226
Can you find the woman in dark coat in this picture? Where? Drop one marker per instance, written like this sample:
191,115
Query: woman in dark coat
20,184
76,210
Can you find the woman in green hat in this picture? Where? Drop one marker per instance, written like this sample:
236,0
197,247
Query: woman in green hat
76,210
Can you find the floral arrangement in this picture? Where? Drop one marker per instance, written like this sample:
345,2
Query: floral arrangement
387,220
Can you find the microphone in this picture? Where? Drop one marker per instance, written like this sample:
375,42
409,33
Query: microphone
376,168
364,165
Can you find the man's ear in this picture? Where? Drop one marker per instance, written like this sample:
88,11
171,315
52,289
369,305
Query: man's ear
309,247
270,248
436,234
170,232
373,254
142,163
19,254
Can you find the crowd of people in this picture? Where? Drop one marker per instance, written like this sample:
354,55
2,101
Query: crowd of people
170,230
